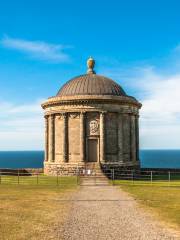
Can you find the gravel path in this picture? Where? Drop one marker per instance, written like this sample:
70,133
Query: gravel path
106,212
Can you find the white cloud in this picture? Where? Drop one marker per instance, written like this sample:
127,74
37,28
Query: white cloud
37,49
21,126
158,89
160,114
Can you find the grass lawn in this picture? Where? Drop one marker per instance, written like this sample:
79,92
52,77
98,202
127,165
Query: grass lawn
38,180
33,212
162,200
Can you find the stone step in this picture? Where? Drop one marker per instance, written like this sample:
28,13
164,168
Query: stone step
96,177
85,183
93,177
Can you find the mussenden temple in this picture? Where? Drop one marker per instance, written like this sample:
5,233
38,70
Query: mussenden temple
91,122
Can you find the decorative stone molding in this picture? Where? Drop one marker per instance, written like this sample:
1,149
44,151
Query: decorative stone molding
94,127
76,109
74,115
86,99
59,116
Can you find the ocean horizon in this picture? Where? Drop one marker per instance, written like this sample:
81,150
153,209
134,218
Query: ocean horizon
149,158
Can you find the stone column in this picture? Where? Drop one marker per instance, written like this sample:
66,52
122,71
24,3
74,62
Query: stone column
137,136
51,138
126,137
65,137
46,138
102,137
120,137
133,138
82,137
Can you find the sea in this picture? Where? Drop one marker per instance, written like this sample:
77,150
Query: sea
34,159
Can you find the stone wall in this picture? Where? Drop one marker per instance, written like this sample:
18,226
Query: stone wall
61,169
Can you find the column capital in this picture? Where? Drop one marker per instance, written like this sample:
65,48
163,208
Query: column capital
82,112
103,112
52,116
64,114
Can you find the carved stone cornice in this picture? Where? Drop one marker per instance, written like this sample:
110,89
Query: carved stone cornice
77,113
93,99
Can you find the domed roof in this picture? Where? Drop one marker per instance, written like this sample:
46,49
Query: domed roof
91,84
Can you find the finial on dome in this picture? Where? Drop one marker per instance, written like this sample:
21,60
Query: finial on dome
90,65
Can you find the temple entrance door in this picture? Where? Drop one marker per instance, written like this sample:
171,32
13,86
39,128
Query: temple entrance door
92,150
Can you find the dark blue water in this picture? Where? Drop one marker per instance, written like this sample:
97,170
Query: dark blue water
160,158
34,159
21,159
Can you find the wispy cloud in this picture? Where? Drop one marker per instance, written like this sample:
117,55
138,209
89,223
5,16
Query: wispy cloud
160,114
158,89
21,126
37,49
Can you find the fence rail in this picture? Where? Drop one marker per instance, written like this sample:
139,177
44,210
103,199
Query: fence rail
35,178
115,177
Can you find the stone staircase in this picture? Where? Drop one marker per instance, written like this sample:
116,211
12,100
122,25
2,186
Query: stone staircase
93,175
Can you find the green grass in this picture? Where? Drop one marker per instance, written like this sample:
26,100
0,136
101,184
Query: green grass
38,180
162,200
33,211
162,183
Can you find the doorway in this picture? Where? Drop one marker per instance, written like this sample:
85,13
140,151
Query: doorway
92,150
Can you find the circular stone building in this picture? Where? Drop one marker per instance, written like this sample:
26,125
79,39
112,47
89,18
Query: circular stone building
90,122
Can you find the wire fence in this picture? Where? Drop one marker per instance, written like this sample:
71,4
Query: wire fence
114,176
162,177
19,177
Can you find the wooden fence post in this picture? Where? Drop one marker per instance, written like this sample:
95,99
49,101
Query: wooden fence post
151,176
18,176
132,173
113,176
77,176
169,176
37,178
57,179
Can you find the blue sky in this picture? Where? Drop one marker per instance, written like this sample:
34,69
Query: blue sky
45,43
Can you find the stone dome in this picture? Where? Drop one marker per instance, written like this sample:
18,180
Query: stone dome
91,84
